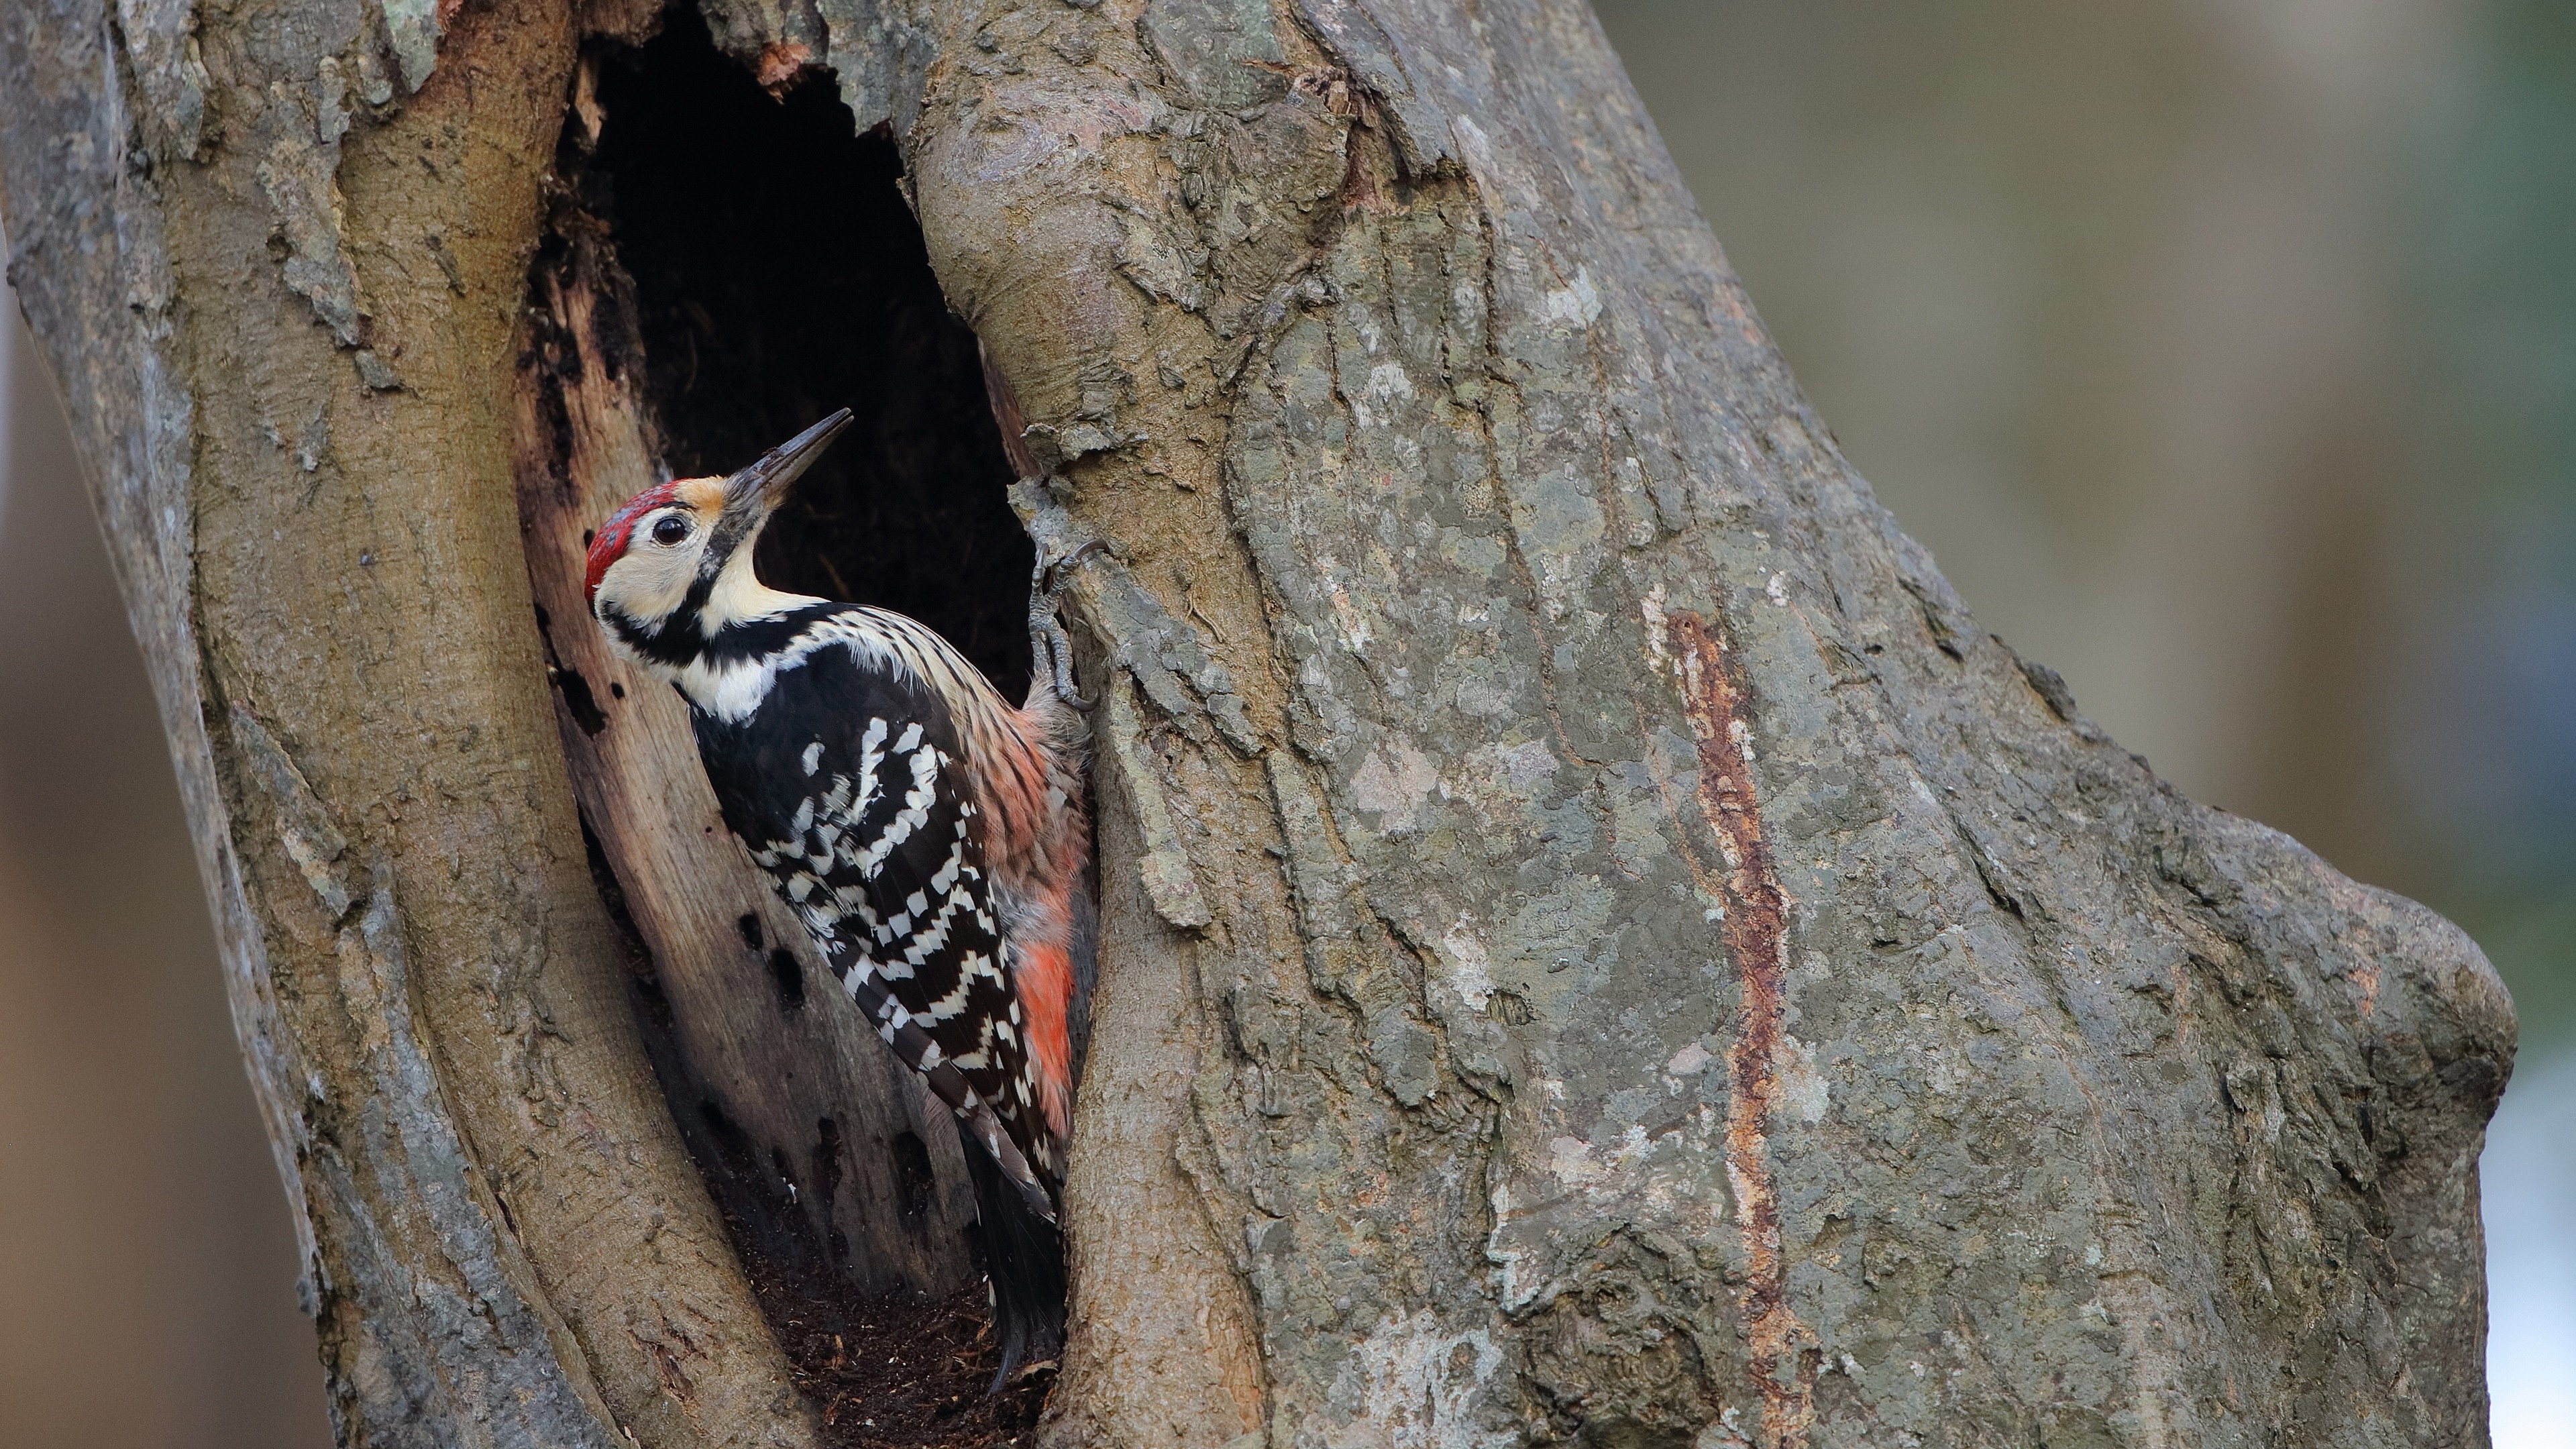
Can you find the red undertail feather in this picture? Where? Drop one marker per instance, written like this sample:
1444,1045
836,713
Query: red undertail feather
1044,978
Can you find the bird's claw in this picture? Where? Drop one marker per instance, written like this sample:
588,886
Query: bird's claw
1047,639
1051,571
1058,651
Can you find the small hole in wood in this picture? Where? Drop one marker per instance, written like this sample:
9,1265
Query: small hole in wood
789,976
912,1173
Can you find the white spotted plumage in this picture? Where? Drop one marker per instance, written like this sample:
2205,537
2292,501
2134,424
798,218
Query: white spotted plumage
929,836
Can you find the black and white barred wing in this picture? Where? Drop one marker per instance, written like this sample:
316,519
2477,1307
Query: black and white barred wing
869,833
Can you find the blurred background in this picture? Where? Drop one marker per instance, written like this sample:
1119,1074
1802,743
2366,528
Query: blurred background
2224,354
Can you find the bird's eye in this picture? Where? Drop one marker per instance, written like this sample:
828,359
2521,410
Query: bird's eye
670,530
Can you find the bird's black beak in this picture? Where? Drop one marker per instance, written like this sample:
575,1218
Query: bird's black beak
764,483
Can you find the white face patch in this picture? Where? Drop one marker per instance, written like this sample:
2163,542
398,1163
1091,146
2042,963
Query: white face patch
652,577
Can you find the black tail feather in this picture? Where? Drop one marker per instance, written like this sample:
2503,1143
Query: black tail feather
1023,1261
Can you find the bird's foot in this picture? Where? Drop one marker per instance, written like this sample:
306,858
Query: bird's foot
1048,642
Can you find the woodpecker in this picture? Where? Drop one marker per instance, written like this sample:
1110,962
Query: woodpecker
931,837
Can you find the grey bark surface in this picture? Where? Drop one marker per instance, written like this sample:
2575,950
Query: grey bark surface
1598,945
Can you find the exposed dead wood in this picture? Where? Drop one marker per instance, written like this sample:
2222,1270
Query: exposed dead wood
812,1135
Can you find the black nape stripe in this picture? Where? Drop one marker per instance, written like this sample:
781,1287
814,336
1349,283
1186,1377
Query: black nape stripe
683,639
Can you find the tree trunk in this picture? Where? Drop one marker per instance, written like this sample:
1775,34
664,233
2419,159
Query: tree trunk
1597,944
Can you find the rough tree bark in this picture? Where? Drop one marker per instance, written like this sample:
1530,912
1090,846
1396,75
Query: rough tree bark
1598,945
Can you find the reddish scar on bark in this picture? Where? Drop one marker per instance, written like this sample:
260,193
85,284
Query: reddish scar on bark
1715,696
780,63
